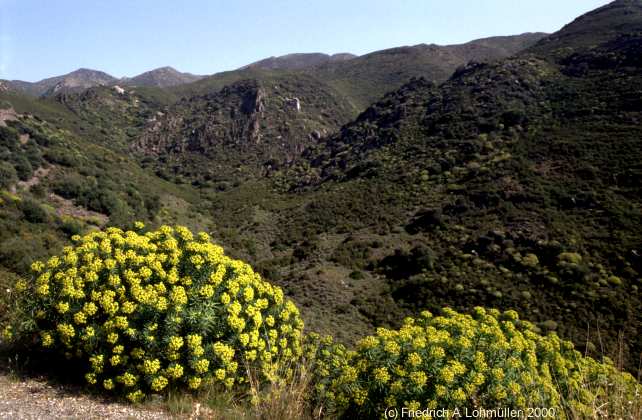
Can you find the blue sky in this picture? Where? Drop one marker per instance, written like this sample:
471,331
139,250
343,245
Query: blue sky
43,38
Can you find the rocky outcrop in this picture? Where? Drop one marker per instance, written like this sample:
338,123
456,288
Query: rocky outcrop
293,104
254,107
247,124
7,115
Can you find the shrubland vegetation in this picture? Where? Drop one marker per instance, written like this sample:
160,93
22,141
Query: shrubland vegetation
512,185
162,311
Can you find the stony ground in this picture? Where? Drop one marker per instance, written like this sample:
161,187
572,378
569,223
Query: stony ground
35,398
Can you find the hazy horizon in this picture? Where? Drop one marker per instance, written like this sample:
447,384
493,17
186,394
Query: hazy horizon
39,39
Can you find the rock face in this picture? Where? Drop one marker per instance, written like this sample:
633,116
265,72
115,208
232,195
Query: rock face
8,114
294,104
253,106
248,124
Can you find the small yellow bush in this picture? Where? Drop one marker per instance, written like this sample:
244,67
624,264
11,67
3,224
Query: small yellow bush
159,309
489,359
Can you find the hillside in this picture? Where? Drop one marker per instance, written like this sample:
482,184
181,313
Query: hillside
185,138
592,29
113,116
514,183
57,180
368,77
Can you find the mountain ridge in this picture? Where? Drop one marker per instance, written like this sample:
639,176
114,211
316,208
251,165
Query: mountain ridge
591,29
84,78
168,77
77,79
297,61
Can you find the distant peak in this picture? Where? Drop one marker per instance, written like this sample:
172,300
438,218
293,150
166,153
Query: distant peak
161,77
166,68
86,70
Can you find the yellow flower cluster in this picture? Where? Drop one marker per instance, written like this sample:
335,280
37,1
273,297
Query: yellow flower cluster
158,309
487,359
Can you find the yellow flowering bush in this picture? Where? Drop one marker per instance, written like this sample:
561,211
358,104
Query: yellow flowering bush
488,359
148,311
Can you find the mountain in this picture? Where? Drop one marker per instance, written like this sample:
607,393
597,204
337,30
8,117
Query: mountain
360,79
76,80
298,61
515,184
161,77
498,46
366,78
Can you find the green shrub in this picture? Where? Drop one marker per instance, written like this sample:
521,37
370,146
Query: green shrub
102,200
530,260
157,310
71,226
33,212
570,258
615,280
23,168
8,174
489,359
352,254
8,137
403,264
71,187
305,250
61,157
356,275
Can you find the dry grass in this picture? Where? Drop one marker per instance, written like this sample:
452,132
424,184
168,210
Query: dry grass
612,400
278,400
285,400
